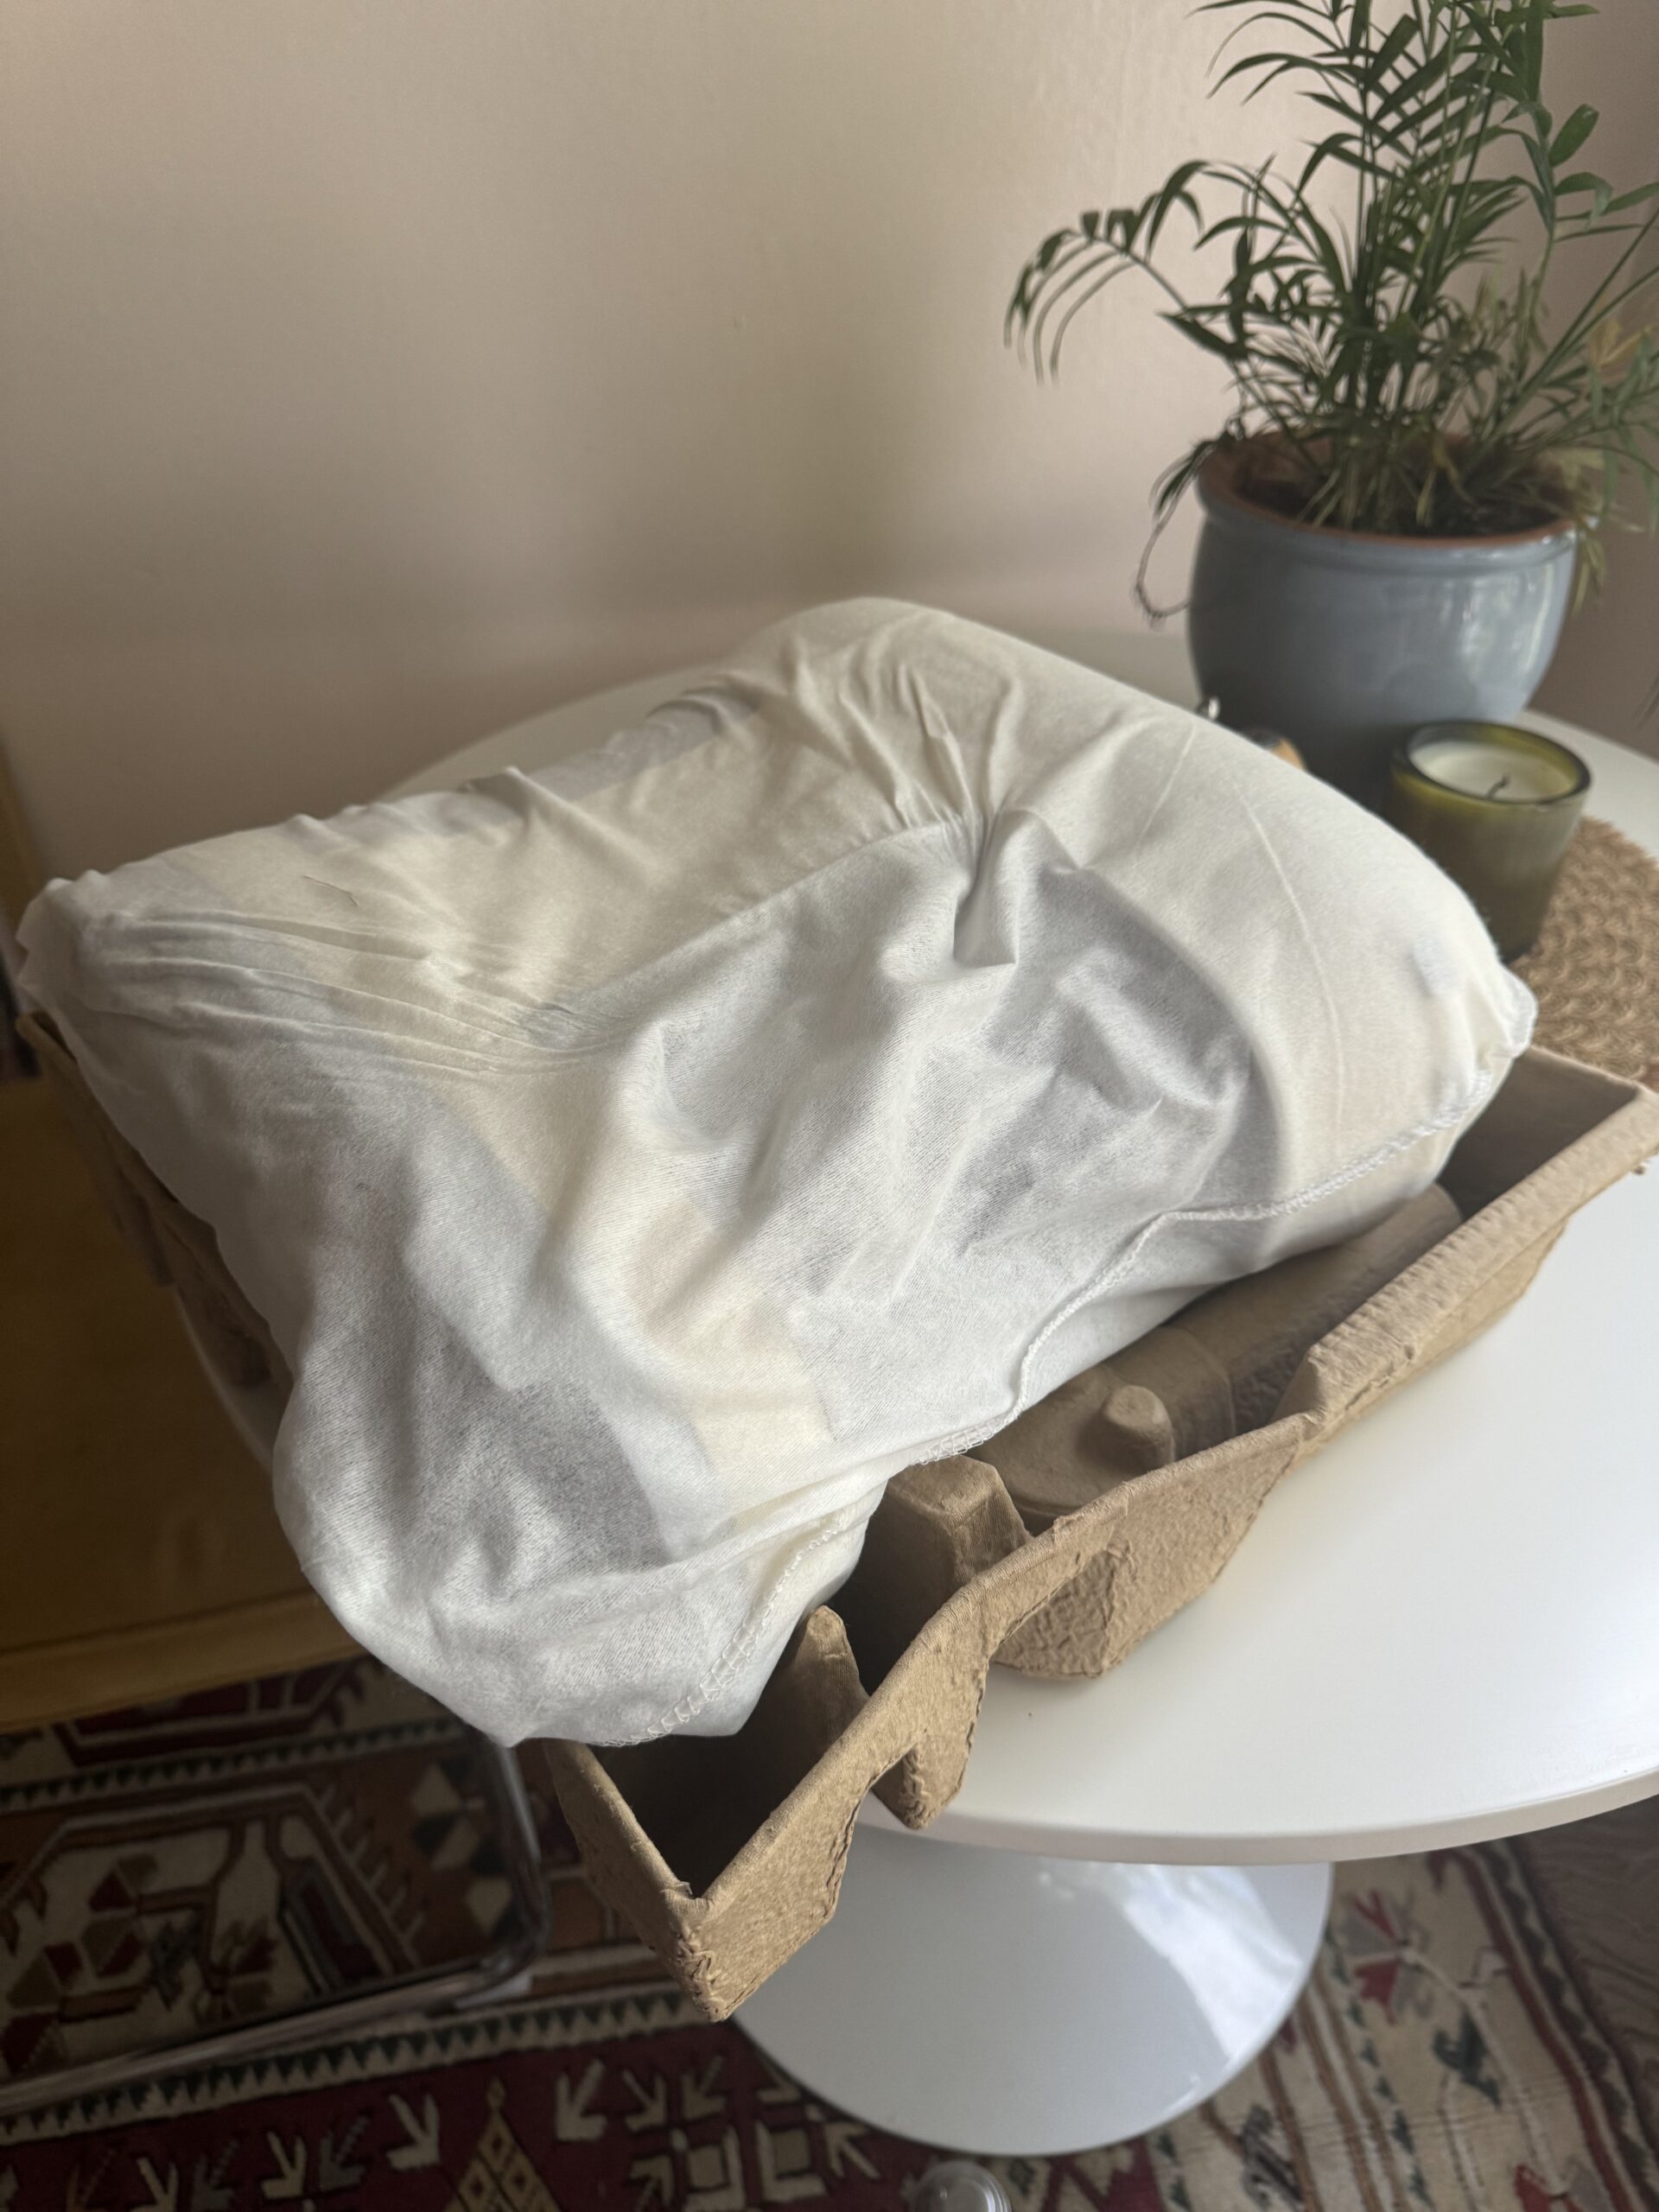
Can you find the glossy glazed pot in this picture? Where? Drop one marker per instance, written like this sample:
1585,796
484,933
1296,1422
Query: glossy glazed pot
1345,641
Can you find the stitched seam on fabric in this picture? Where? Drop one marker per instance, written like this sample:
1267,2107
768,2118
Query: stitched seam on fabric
1267,1210
738,1651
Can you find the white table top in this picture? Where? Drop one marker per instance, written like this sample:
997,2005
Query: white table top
1444,1627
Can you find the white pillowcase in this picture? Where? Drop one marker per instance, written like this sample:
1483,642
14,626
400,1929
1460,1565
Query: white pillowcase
640,1160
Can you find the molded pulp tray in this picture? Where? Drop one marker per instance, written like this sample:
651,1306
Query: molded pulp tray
726,1853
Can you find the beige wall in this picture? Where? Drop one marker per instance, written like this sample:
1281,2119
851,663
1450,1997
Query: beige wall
1606,671
374,372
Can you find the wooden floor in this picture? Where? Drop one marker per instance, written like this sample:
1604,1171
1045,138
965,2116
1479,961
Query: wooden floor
139,1551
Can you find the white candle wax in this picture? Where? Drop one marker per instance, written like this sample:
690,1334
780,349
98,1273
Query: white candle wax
1482,770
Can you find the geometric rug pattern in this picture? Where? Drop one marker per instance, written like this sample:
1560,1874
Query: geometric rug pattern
185,1868
1481,2029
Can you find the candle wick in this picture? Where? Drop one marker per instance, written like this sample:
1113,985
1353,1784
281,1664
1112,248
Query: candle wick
1498,786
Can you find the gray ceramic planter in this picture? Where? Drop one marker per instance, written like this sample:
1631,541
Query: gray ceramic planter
1346,642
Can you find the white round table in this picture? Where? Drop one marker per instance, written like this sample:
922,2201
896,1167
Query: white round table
1445,1627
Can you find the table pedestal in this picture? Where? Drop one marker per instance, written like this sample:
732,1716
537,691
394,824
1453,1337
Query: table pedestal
998,2002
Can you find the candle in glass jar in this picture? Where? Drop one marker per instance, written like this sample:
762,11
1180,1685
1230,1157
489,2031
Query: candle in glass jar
1497,807
1481,769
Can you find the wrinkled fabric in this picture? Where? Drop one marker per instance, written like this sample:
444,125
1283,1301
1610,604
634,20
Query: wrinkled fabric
639,1160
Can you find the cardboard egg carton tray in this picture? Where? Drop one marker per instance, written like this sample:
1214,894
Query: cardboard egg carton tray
1053,1549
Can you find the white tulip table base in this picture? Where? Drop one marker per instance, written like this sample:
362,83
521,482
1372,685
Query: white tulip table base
998,2002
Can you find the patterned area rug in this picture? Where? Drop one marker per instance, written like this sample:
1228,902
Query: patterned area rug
1482,2030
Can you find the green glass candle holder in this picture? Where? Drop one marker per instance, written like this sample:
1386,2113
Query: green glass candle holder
1497,807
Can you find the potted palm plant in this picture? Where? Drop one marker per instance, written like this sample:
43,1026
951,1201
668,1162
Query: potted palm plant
1421,454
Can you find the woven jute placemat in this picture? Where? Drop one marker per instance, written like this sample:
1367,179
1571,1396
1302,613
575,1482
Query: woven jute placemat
1595,968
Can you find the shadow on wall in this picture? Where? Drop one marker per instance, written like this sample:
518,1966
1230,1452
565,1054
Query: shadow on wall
1606,672
1609,657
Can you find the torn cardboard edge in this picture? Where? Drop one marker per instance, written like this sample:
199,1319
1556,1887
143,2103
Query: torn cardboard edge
727,1854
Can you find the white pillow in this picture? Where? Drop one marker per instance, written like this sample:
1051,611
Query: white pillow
640,1160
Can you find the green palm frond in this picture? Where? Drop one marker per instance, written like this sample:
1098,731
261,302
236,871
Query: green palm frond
1381,307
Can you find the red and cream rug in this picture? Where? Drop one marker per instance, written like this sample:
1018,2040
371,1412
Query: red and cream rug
1481,2030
